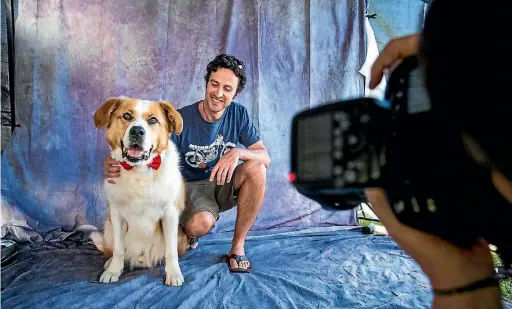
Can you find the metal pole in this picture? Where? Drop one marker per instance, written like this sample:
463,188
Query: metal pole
9,15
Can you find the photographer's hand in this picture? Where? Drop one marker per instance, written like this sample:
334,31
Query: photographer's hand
446,265
393,52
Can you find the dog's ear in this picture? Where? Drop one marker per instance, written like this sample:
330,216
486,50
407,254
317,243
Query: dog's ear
174,119
103,115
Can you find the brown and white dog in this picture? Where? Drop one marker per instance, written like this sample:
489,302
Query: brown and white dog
146,201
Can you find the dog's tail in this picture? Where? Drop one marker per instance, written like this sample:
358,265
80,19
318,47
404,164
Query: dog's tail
97,239
104,241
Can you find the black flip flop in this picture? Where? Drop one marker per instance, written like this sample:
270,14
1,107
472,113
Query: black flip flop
193,241
238,259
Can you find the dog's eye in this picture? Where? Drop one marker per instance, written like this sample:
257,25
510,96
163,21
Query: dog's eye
152,120
127,116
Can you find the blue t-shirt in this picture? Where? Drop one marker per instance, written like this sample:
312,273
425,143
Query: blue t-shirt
202,143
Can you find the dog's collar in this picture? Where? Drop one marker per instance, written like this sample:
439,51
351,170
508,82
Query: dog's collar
155,164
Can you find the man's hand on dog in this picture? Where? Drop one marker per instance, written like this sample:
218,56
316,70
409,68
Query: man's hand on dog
225,167
111,168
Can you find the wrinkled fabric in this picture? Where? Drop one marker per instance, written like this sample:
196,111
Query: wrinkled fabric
322,267
312,268
371,55
73,55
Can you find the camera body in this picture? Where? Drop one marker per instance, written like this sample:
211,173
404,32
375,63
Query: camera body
406,147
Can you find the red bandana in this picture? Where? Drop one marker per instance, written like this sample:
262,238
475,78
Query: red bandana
155,164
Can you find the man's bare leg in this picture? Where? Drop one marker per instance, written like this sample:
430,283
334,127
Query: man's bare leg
250,180
199,225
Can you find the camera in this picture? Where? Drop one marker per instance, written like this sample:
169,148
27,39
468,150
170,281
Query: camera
406,147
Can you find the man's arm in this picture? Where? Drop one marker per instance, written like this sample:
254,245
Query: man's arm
256,151
223,170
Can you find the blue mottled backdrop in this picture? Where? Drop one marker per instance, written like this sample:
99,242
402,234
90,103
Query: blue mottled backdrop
72,55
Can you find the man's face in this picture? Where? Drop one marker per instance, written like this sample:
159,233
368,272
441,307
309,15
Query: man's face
221,89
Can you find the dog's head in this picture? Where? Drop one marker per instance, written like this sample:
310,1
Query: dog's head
137,130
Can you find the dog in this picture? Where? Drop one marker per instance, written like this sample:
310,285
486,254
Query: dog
146,201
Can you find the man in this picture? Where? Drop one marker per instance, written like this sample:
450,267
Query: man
216,182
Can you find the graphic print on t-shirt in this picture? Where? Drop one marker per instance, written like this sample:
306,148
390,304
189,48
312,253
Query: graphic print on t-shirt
199,156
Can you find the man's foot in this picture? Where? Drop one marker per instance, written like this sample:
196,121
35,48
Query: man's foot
238,261
193,243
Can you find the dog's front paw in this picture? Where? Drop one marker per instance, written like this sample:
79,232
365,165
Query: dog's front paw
110,277
173,276
107,263
113,270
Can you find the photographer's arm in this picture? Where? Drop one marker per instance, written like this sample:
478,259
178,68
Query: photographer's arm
487,298
446,265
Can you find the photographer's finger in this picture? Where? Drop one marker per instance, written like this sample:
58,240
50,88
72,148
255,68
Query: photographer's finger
383,61
395,50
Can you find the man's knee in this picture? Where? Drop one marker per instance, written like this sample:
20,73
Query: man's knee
254,170
200,224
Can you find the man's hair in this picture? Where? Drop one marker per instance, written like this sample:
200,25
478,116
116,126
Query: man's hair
228,62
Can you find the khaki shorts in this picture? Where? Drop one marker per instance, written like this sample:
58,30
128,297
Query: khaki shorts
206,195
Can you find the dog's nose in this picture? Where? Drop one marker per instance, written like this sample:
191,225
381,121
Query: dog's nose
137,132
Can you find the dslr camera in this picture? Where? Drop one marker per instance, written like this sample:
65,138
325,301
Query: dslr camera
404,147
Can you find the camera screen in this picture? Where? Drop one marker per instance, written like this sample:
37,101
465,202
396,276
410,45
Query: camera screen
314,148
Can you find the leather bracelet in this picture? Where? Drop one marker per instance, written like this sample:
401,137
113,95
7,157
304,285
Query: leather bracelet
492,280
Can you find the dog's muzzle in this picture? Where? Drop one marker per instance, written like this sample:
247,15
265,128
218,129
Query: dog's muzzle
135,151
